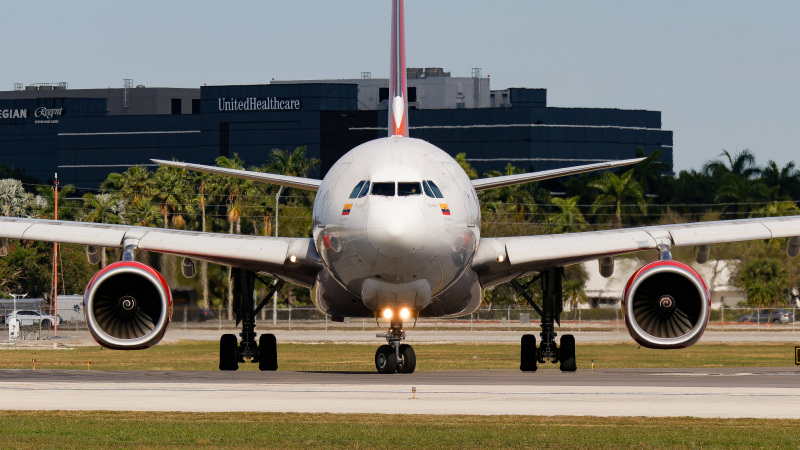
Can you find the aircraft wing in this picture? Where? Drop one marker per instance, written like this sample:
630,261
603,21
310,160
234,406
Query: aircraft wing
254,253
501,259
482,184
309,184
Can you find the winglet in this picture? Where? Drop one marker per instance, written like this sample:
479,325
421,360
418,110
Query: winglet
398,109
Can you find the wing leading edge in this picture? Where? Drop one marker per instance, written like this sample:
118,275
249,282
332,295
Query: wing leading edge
482,184
502,259
309,184
293,259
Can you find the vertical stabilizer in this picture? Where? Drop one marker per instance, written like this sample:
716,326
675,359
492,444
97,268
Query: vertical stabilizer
398,97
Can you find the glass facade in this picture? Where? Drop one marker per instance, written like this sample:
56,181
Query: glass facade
77,138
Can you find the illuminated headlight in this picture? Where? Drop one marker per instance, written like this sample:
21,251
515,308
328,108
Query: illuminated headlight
405,313
387,313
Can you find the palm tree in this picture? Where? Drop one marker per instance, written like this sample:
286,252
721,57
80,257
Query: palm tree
294,163
516,199
650,172
461,159
14,200
735,180
135,186
784,183
574,293
103,208
233,190
568,218
171,190
742,165
67,210
765,281
616,189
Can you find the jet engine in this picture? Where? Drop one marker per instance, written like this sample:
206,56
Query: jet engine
666,305
128,306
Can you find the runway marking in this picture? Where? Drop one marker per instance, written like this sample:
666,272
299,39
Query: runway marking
420,391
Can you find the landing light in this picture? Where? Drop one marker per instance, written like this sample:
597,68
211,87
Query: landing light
501,258
405,313
292,259
387,313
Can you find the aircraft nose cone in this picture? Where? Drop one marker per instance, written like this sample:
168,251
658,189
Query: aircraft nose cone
396,229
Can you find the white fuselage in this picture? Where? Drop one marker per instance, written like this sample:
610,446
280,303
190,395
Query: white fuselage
397,222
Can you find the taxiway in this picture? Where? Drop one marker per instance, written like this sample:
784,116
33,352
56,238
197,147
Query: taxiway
758,393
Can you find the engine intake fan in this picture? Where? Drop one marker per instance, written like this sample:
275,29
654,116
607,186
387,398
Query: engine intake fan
666,305
128,306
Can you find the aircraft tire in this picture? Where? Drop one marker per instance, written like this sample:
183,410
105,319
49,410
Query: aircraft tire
267,353
566,353
386,359
228,345
527,362
409,359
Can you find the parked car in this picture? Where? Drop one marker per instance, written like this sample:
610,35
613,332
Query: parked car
768,315
29,318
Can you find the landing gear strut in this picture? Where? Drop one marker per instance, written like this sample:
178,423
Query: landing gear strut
550,312
394,356
231,350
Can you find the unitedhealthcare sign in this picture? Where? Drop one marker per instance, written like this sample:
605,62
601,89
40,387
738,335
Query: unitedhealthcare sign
258,104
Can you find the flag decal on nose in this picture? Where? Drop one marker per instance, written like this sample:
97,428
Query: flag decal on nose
346,209
445,209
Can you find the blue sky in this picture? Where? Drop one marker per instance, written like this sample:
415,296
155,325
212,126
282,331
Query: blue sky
725,74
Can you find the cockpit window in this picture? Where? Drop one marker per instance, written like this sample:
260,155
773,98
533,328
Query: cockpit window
385,189
427,189
357,189
405,189
364,190
361,189
431,190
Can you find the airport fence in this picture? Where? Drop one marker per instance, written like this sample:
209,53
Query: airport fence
721,318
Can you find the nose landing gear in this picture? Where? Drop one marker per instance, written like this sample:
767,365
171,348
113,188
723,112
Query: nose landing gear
395,357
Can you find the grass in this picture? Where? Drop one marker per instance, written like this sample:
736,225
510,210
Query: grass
193,355
79,429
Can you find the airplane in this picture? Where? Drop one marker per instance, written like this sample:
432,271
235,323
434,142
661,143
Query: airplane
396,235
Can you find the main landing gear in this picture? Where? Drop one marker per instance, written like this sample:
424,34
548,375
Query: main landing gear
550,312
231,351
394,356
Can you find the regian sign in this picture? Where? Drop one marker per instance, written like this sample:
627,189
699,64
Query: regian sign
258,104
13,113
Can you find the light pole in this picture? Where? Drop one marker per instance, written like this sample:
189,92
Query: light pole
55,264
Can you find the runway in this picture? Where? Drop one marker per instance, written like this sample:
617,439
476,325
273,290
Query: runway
727,393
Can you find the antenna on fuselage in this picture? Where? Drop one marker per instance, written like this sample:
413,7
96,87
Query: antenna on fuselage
398,82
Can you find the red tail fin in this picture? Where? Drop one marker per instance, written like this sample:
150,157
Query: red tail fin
398,97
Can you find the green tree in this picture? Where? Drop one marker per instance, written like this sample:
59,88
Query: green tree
67,209
15,201
614,190
568,218
783,183
765,281
171,190
461,159
574,293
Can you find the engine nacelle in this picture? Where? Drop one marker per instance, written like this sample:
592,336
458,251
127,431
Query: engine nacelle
666,305
128,306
